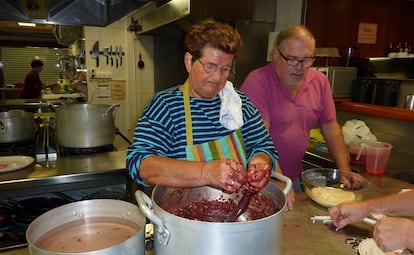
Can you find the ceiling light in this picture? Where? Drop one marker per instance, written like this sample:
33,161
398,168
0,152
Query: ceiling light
26,24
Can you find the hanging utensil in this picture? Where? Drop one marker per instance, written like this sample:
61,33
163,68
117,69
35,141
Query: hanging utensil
112,55
117,55
141,63
95,52
106,54
121,53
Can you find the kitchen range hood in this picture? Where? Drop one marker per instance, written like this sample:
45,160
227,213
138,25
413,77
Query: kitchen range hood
182,13
68,12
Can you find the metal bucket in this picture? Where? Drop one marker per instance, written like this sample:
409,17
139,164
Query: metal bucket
87,209
176,235
85,125
16,126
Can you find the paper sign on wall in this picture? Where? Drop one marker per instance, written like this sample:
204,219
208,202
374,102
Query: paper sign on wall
367,33
118,90
102,91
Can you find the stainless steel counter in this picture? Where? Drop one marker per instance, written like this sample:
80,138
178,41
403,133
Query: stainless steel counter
70,172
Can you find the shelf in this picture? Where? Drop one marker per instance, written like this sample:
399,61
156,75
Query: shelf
396,113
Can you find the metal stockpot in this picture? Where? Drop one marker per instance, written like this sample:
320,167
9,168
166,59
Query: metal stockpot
85,209
176,235
85,125
16,126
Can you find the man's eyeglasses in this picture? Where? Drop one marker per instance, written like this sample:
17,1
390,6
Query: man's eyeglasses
212,68
306,62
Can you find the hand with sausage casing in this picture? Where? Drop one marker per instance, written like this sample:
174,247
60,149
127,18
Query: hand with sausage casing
258,172
226,174
389,237
347,213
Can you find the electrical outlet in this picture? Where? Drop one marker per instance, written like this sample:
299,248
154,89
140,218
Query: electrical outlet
103,75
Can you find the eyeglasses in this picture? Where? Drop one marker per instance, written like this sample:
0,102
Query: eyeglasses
306,62
212,68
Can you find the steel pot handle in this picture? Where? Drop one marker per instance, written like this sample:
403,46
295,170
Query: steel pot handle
145,204
109,109
3,128
16,110
283,178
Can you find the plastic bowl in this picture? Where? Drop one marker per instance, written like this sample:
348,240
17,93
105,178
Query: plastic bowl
325,186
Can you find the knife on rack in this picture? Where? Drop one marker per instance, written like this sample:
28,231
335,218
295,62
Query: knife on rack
112,55
117,55
120,55
95,52
106,54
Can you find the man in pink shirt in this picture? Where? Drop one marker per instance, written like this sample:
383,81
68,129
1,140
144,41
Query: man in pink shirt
292,99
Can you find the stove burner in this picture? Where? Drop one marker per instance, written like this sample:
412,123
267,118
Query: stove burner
66,151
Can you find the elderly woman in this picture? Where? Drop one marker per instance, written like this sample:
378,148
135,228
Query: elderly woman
203,132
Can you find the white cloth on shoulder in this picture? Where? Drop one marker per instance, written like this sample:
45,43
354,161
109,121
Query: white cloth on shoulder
231,116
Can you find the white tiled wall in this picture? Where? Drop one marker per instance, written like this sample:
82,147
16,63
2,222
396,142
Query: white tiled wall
144,77
288,12
139,83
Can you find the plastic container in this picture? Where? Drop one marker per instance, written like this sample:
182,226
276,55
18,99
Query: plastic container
377,155
354,150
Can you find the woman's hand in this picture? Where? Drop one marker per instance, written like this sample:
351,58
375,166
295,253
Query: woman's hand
225,174
258,176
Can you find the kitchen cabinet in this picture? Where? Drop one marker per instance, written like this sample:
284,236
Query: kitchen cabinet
336,23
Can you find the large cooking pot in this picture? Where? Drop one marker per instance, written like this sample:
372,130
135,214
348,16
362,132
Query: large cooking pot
177,235
85,125
16,126
62,216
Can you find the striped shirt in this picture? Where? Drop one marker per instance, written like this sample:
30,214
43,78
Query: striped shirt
161,129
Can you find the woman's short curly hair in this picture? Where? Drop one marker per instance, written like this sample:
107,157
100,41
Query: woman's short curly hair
214,34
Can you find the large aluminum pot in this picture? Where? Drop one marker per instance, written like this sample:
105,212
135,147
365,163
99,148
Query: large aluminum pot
16,126
64,214
176,235
85,125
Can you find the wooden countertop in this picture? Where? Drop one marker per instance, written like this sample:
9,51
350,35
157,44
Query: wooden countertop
302,236
346,105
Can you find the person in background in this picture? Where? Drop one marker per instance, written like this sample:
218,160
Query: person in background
292,99
32,83
203,132
390,233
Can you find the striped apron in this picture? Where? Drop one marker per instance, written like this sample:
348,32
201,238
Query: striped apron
230,146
